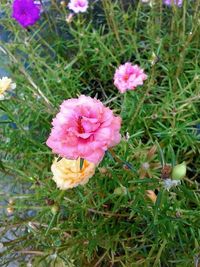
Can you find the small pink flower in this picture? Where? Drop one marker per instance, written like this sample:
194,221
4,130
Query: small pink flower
175,2
128,77
78,5
84,128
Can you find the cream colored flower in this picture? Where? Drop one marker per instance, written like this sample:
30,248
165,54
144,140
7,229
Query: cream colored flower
68,174
6,84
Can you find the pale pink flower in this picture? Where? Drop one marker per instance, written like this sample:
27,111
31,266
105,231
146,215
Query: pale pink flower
78,5
84,128
128,77
175,2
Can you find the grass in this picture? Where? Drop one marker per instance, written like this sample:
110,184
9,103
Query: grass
92,225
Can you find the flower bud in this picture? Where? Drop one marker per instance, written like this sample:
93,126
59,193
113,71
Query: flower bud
55,209
69,18
11,201
120,191
103,170
179,171
10,210
151,195
63,4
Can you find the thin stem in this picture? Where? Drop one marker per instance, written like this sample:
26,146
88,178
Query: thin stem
149,86
108,6
51,223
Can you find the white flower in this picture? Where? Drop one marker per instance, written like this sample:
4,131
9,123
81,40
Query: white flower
150,2
169,183
6,85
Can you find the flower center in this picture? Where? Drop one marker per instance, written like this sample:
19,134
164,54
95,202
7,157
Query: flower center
80,3
126,77
80,127
23,12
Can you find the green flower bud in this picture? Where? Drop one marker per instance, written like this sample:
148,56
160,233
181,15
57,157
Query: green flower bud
120,191
55,209
179,171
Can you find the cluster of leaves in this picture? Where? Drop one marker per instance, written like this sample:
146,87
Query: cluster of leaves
97,225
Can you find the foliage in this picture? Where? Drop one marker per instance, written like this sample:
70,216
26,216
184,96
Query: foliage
92,225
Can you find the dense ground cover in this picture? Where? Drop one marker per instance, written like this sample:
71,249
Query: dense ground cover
110,221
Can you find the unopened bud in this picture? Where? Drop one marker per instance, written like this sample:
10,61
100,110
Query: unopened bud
103,170
120,191
151,195
10,210
69,18
55,209
11,201
179,171
154,59
62,3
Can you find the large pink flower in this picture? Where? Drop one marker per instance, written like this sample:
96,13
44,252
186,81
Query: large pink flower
84,128
78,5
128,77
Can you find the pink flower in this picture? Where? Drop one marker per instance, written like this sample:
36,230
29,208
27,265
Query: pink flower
175,2
26,12
128,77
78,5
84,128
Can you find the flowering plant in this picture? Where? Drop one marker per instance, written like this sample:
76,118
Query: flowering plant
90,173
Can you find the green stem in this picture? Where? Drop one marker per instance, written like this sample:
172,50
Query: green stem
149,86
108,9
61,195
51,223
